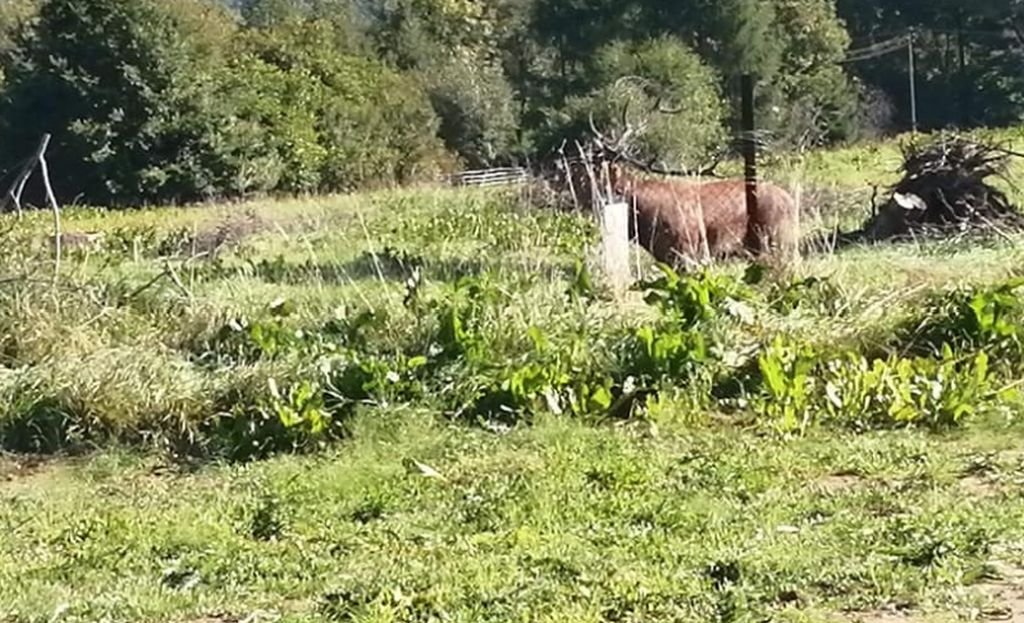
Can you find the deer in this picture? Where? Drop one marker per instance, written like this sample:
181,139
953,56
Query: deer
681,218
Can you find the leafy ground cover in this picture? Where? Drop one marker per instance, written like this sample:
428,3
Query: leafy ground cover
424,405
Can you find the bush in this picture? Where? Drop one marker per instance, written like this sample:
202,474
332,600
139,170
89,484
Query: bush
476,106
938,393
373,125
262,410
801,388
152,101
970,319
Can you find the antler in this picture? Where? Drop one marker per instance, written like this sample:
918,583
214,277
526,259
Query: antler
622,145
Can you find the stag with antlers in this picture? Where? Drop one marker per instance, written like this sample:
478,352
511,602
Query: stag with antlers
680,217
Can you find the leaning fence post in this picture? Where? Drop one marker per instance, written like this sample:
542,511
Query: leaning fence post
51,198
37,159
749,143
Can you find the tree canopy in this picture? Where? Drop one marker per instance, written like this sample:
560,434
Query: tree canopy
153,101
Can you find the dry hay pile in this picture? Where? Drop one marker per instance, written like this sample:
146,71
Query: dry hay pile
945,191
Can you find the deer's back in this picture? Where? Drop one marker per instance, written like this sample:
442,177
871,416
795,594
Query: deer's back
671,217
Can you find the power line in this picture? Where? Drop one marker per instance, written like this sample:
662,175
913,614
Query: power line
879,49
1006,32
878,37
896,44
896,41
906,41
891,35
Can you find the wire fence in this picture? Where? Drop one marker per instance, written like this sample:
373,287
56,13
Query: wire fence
505,176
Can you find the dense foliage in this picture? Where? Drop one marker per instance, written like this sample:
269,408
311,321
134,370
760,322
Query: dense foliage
213,368
154,101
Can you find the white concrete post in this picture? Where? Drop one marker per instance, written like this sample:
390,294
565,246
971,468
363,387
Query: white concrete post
615,243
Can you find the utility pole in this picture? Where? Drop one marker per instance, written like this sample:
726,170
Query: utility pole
964,94
913,82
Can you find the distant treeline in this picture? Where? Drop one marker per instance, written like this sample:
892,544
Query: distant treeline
151,101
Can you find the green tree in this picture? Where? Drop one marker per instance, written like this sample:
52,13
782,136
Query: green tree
13,13
476,106
344,16
791,46
450,48
121,84
373,124
815,100
969,58
151,101
661,91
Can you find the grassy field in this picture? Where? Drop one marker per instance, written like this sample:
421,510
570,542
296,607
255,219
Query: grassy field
424,405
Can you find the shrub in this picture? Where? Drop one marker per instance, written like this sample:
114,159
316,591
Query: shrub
815,294
258,413
690,300
801,388
155,101
969,319
938,393
373,124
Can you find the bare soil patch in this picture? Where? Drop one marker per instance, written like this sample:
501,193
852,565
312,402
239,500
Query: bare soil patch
896,614
838,483
14,467
980,487
883,616
228,233
79,240
1003,594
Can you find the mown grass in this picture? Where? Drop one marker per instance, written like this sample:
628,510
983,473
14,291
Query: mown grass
451,381
560,521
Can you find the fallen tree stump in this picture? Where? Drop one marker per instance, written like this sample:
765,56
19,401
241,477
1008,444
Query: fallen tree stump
945,191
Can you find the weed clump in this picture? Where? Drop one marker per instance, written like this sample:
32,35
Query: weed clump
802,387
969,319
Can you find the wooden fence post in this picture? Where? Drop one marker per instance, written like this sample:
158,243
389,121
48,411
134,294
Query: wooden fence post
749,143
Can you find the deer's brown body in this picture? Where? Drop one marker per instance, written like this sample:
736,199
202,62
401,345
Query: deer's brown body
684,220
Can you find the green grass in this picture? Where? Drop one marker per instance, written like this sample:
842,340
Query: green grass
133,393
561,521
